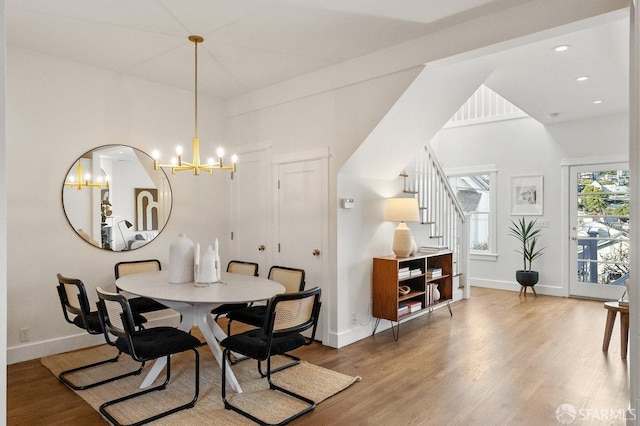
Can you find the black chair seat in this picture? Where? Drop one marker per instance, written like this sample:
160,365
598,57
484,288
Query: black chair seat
228,307
254,343
253,315
93,320
158,341
140,305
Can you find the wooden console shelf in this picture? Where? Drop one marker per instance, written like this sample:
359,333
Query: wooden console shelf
389,273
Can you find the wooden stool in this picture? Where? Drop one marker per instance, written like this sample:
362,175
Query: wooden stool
612,310
523,288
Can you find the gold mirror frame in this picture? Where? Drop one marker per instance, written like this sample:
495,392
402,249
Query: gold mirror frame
126,213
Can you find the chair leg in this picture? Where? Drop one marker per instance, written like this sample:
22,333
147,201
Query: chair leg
311,404
63,375
295,362
229,406
190,404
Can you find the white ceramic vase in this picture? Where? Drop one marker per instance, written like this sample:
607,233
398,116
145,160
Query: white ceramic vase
436,294
181,260
207,266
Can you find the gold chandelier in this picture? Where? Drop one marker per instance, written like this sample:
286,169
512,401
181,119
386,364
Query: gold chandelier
177,164
78,182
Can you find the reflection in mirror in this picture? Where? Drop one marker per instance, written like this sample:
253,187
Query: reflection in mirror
114,199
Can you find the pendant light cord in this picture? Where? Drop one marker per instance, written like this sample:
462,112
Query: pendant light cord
195,95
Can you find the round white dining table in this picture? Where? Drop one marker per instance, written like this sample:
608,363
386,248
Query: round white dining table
195,305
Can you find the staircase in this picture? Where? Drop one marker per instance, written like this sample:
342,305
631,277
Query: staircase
440,211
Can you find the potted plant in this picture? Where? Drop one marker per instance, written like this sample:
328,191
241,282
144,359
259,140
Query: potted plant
526,233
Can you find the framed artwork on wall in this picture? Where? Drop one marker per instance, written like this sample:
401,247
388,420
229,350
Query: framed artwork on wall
526,195
146,209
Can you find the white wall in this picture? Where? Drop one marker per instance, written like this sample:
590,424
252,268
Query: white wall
525,147
57,110
3,218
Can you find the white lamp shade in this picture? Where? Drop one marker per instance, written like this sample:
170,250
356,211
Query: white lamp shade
402,210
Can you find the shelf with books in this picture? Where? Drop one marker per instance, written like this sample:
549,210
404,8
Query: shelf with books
390,272
411,295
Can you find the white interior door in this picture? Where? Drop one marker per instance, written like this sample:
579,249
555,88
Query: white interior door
251,215
301,221
599,215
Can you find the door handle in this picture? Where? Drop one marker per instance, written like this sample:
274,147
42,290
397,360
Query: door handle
316,252
261,247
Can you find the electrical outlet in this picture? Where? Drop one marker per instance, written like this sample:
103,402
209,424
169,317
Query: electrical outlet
354,319
24,334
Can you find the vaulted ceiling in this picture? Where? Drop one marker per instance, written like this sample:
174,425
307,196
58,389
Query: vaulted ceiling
252,44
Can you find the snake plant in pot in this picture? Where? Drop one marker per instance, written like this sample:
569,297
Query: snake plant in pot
527,234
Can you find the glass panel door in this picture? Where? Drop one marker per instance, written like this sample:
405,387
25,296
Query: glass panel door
599,230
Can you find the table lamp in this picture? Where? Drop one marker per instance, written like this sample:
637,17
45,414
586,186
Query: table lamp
402,210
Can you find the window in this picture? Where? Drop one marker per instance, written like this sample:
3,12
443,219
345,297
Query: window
477,199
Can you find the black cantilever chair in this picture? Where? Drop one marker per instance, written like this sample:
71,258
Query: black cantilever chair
236,267
288,315
293,279
76,310
140,305
143,345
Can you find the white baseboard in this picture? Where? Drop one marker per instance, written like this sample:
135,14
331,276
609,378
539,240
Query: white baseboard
73,342
514,286
339,340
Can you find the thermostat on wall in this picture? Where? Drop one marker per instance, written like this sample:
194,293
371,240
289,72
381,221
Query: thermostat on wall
347,203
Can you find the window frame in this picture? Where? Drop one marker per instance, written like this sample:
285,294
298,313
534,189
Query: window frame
491,254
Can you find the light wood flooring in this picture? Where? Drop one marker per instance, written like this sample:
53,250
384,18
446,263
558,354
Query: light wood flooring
500,360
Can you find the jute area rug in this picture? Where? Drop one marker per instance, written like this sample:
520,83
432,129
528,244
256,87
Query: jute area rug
312,381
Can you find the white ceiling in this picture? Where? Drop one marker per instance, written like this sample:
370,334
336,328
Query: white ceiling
251,44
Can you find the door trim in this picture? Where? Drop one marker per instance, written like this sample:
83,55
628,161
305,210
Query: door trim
294,157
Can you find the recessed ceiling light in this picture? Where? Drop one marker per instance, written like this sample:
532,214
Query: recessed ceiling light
599,101
583,78
561,48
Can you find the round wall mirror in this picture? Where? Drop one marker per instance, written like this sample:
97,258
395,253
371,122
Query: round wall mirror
114,199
